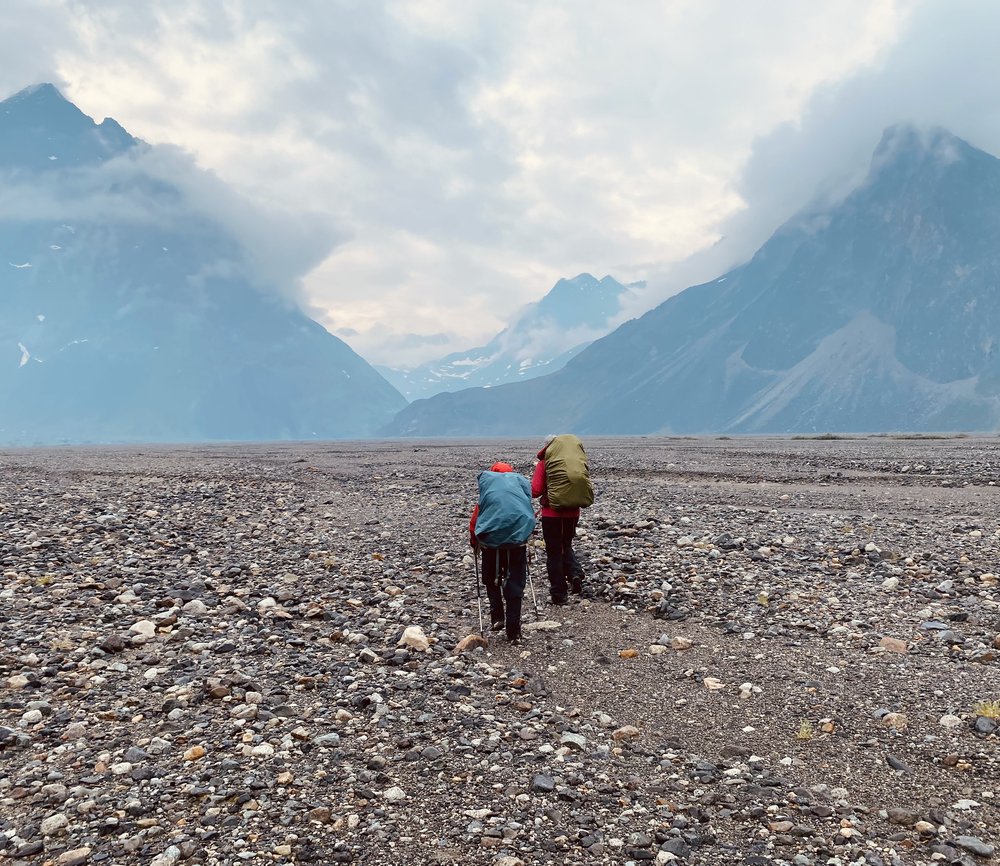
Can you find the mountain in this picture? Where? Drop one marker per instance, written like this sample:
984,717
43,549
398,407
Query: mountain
879,313
129,314
542,338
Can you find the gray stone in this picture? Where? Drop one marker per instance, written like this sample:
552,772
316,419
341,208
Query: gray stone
975,845
986,725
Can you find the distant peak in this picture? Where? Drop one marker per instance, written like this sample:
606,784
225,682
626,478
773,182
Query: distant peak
43,92
909,145
41,130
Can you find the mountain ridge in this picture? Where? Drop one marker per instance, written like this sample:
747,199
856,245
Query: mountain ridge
126,313
541,339
914,247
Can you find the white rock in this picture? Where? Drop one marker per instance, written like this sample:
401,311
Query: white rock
414,638
949,721
395,794
196,607
542,625
54,824
168,858
143,627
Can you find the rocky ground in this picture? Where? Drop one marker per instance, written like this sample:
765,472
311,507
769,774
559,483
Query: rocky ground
788,653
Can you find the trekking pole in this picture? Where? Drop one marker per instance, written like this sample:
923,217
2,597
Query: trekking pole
527,564
531,583
479,591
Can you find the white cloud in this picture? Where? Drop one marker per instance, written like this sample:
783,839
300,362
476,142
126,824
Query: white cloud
465,156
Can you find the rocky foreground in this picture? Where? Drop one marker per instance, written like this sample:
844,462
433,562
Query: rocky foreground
788,652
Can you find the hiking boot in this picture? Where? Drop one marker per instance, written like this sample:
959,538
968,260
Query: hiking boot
560,600
517,640
576,586
497,625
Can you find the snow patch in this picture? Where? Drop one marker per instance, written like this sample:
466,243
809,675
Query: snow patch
77,342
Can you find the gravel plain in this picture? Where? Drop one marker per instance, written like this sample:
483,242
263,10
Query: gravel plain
788,652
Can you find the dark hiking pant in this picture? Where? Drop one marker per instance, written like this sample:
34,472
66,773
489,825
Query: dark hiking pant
505,571
558,533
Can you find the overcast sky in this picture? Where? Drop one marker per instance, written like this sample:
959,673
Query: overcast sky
457,157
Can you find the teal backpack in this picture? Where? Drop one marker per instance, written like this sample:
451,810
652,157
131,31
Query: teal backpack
505,515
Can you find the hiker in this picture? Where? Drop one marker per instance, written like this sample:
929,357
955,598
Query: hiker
501,524
562,483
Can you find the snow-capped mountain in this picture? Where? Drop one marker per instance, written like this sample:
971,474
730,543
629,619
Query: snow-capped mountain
541,339
880,313
127,313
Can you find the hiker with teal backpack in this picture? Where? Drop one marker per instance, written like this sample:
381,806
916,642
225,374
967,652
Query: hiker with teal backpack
501,524
562,482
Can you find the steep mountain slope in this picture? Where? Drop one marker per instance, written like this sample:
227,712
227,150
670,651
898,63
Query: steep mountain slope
127,314
541,340
880,313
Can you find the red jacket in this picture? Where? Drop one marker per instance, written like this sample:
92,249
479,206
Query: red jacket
538,490
472,526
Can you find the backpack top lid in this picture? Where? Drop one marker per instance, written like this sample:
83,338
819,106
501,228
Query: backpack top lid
564,443
501,467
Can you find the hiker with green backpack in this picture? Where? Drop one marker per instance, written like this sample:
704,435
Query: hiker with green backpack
501,525
562,482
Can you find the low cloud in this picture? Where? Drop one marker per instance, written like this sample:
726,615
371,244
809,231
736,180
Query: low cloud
941,71
459,158
272,248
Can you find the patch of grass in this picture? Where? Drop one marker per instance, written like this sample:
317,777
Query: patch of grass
990,709
805,731
823,437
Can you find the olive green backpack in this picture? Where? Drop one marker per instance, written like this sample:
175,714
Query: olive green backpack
567,475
